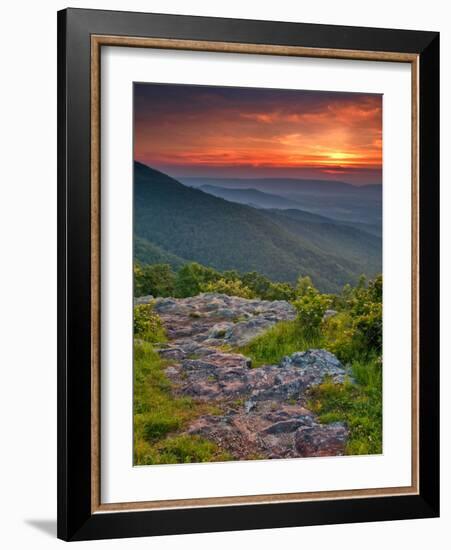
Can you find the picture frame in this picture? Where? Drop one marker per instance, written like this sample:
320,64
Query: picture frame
81,36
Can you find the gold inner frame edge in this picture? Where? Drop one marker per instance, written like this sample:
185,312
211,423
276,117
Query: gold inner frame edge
97,41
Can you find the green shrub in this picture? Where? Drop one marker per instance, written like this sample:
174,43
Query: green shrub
311,306
265,289
353,334
279,291
229,287
356,331
303,286
369,327
191,277
340,334
156,280
147,324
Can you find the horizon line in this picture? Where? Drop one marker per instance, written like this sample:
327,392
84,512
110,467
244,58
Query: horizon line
262,178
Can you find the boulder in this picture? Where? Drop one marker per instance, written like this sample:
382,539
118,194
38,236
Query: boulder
242,333
220,330
143,300
316,364
165,304
289,432
321,440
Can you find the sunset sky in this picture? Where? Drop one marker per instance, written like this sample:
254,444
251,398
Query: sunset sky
211,131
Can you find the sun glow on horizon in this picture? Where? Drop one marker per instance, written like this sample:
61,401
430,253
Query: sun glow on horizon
215,131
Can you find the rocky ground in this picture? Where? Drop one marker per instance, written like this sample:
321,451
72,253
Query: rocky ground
263,410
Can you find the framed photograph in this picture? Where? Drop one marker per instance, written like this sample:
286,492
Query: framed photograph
248,274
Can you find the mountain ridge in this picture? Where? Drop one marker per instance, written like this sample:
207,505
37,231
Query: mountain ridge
249,196
296,184
191,224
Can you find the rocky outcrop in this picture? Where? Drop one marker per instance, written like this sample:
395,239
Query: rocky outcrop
263,410
316,364
288,431
220,319
218,375
143,300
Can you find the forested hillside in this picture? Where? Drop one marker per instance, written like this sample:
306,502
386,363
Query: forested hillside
362,248
174,224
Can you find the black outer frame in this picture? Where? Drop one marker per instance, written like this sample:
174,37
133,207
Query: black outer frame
75,520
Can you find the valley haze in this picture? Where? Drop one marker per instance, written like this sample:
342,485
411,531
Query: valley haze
177,224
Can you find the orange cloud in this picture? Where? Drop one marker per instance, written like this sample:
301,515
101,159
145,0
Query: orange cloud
334,134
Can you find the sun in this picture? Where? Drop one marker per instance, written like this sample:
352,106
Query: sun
340,155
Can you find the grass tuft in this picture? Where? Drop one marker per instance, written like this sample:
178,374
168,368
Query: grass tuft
282,339
359,405
183,449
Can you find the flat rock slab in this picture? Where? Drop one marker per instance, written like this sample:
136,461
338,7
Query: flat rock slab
263,409
290,431
219,319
